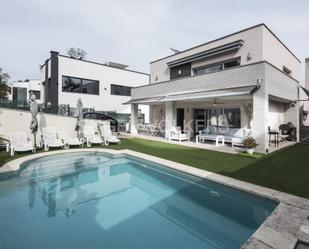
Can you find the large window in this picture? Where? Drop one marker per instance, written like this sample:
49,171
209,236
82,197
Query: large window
79,85
120,90
217,67
36,93
217,117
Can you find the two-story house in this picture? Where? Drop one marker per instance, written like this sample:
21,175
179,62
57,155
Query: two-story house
102,86
248,79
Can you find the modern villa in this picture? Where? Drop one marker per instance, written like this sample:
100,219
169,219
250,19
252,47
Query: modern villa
246,80
73,181
103,87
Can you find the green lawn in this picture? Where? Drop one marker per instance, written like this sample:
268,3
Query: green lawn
286,170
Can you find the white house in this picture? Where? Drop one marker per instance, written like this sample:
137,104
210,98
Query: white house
245,80
104,87
21,90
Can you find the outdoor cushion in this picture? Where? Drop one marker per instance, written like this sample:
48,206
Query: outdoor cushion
205,131
239,133
231,132
247,132
237,140
212,130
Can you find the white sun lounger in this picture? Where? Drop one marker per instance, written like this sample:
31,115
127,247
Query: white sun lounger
50,139
108,135
90,136
19,142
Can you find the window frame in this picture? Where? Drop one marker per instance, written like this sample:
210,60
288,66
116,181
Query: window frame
204,67
81,85
121,93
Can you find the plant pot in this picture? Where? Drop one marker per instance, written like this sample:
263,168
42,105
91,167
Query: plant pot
250,151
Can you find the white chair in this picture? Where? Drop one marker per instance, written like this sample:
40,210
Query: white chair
20,142
73,141
90,135
50,139
108,135
175,133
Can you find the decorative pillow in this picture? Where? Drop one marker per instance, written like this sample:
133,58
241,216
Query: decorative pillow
247,133
212,130
231,132
239,133
205,131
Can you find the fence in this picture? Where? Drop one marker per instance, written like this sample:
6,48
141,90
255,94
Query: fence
62,110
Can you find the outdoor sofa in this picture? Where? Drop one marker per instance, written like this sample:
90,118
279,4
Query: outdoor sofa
234,136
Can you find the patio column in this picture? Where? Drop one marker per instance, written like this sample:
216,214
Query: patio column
170,116
259,124
134,119
151,121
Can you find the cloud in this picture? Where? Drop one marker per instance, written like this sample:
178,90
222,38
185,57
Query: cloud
135,32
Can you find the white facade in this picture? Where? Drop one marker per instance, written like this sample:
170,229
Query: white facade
261,62
260,44
28,86
106,75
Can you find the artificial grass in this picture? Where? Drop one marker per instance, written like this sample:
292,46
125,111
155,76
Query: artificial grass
286,170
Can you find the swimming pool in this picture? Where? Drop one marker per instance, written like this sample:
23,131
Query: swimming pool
95,200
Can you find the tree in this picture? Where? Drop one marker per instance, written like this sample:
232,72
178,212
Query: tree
77,53
4,88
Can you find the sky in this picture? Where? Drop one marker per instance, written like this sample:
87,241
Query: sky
135,32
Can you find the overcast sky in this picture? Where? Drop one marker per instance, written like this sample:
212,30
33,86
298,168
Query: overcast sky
135,32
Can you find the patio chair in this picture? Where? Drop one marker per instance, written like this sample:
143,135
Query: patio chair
108,135
284,133
19,142
91,136
50,139
74,141
176,133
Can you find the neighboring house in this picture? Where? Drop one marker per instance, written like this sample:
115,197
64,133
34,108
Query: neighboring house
248,79
21,91
104,87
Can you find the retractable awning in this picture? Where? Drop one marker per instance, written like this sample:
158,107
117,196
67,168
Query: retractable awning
226,48
240,91
144,100
201,95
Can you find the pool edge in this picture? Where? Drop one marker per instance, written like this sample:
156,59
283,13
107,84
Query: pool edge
275,232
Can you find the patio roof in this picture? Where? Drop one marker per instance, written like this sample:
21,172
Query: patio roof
199,95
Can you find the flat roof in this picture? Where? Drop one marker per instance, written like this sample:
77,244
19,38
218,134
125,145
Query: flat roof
97,63
223,37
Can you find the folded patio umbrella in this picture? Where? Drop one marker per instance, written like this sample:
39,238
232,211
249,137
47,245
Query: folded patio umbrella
34,113
78,114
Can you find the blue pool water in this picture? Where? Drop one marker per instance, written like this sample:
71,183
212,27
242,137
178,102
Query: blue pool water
96,201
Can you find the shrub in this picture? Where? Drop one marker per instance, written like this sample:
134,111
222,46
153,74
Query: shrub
250,143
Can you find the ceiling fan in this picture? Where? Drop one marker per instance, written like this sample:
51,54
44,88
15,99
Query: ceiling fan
215,103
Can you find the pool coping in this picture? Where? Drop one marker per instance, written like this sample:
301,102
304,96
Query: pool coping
276,232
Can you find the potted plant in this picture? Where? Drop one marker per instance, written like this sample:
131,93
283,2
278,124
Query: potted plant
250,144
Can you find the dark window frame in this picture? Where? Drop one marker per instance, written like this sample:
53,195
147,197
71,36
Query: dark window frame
121,93
286,70
81,85
37,93
222,63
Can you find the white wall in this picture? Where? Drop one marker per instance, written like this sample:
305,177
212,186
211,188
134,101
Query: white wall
277,54
307,73
32,85
275,114
252,43
15,120
106,76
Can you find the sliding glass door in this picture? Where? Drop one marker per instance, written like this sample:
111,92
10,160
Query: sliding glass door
217,117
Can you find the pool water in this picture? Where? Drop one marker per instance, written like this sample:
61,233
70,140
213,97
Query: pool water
95,201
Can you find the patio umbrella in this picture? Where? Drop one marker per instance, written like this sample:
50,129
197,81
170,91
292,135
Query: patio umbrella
34,113
78,114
